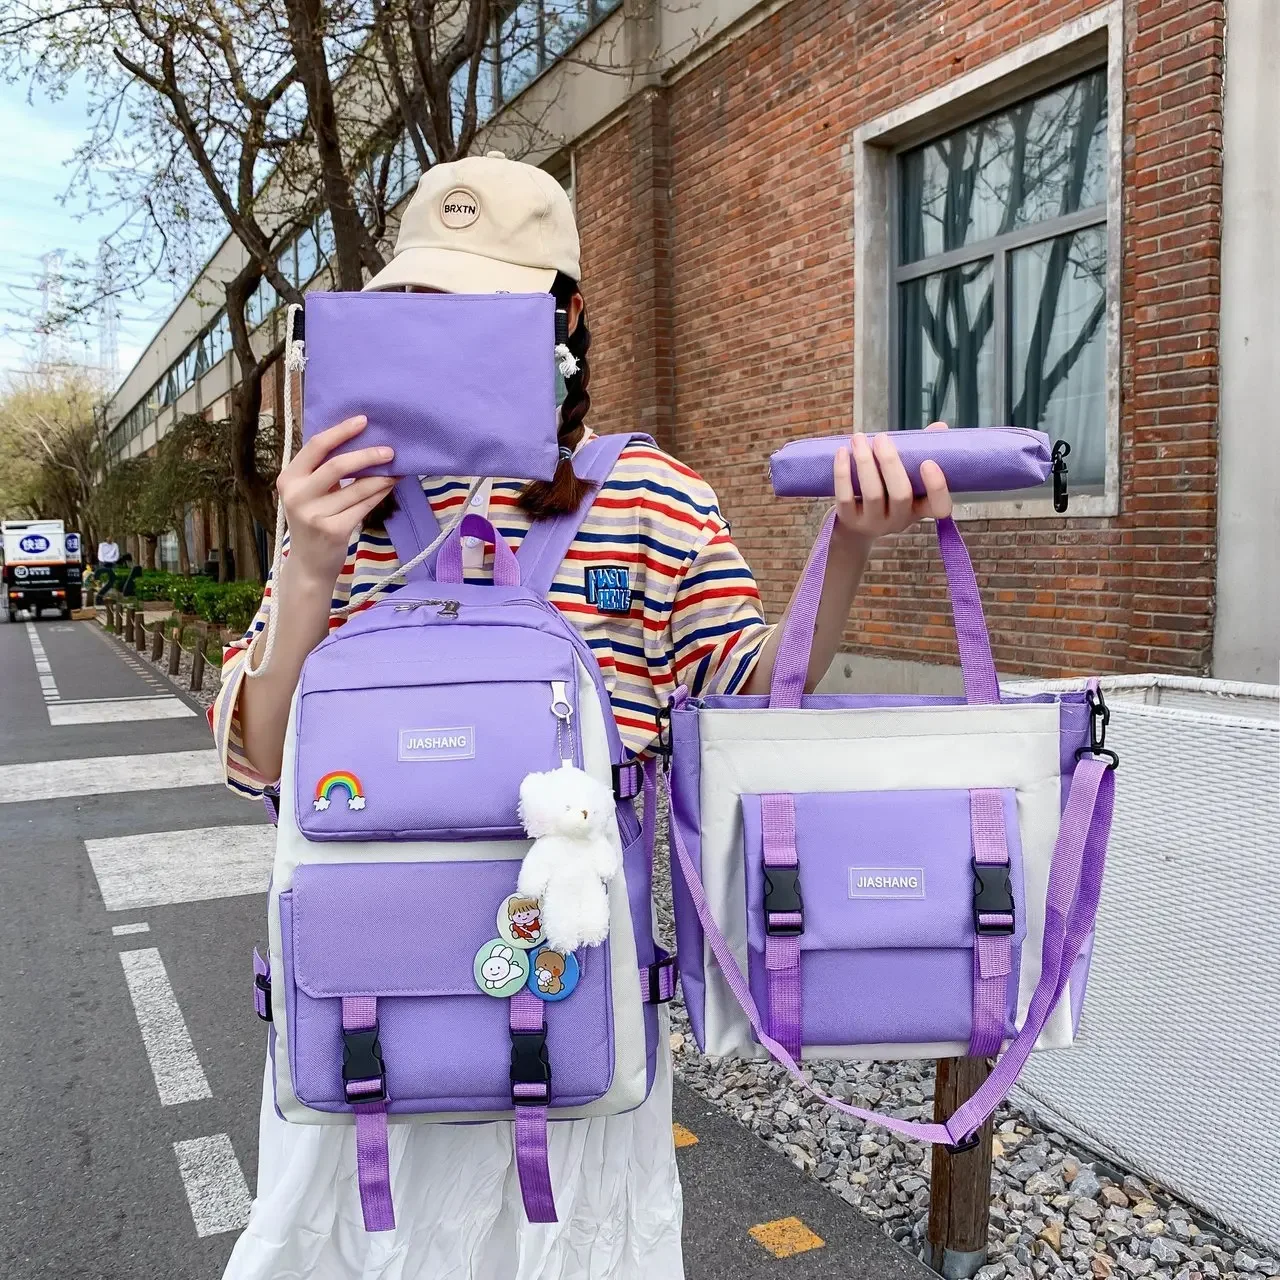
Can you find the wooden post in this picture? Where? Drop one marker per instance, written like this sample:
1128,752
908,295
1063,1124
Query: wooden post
157,642
129,615
111,617
197,661
175,648
960,1191
140,632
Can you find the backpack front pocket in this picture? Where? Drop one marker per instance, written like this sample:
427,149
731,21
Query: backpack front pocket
406,933
430,750
881,896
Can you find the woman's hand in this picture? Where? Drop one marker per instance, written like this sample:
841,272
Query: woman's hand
323,514
888,504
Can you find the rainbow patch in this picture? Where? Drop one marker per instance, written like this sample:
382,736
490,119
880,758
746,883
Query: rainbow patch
331,782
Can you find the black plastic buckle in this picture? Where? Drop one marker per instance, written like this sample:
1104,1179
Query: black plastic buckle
655,980
1099,718
1060,499
530,1065
782,896
362,1061
634,768
992,895
263,983
965,1144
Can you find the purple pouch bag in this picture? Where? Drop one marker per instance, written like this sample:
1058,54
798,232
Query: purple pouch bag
974,460
456,384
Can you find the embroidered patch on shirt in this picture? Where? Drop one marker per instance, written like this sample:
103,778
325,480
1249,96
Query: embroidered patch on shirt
609,589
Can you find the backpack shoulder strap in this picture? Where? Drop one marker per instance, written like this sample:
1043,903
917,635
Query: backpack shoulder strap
545,545
412,526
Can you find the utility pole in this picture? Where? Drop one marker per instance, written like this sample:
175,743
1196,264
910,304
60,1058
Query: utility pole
108,315
52,347
960,1186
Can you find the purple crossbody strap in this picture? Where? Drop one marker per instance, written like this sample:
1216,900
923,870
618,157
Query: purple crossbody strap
1075,886
412,526
792,663
548,541
506,571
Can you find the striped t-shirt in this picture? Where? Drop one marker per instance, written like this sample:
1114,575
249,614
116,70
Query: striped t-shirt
694,615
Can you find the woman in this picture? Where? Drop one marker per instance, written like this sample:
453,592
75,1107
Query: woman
488,224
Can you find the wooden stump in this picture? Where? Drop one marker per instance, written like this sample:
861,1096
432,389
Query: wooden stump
111,617
157,642
197,662
140,632
175,649
960,1191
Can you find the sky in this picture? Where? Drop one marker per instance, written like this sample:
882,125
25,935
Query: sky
37,140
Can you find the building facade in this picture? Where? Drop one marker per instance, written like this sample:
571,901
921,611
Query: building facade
804,216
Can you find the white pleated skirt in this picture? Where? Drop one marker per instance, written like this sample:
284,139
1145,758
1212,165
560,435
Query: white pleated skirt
457,1202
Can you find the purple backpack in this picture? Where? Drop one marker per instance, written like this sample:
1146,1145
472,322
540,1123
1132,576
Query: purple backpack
394,921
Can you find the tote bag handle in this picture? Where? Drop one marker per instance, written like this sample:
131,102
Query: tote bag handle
979,669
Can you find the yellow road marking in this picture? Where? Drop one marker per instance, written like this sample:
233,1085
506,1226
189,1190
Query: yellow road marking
786,1237
684,1137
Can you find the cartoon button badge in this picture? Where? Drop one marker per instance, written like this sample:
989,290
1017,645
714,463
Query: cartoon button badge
500,969
520,921
554,974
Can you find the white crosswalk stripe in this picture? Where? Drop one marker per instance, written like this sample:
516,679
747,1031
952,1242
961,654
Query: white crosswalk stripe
178,1074
214,1183
105,775
165,707
161,868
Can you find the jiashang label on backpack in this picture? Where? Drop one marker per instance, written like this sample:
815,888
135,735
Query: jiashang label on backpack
886,882
457,743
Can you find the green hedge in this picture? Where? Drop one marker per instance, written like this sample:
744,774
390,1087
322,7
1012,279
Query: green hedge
226,604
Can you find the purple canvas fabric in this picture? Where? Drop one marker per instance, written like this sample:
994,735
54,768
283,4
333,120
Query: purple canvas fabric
973,459
456,384
881,967
685,781
409,934
1075,884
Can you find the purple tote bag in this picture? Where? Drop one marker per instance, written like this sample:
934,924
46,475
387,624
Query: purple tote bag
456,384
974,460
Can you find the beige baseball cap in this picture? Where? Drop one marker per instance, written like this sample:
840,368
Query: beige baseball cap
484,224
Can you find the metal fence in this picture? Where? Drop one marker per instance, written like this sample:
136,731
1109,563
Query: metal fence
1174,1071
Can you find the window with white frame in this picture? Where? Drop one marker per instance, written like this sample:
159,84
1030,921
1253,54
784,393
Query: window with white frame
999,273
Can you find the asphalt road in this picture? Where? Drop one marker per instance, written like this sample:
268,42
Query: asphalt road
130,1059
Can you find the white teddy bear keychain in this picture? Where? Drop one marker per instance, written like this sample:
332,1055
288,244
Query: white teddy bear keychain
567,812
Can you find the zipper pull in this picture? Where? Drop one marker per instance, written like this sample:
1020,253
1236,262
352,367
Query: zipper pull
562,709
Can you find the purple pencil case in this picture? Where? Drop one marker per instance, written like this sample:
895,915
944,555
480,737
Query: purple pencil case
974,460
456,384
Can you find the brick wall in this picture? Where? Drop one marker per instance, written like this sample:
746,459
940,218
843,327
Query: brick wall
756,240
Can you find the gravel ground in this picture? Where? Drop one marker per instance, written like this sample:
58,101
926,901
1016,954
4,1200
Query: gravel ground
1057,1211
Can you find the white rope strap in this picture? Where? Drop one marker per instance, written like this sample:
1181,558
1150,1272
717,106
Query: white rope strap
295,361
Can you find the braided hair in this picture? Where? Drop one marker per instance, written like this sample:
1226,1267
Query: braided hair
565,491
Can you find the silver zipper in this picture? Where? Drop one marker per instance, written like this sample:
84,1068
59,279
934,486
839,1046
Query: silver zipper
447,609
562,709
